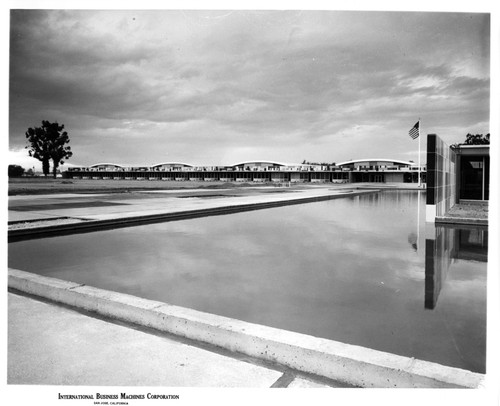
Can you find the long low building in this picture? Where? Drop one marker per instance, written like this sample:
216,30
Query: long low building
360,170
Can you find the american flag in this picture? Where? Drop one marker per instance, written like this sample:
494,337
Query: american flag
415,131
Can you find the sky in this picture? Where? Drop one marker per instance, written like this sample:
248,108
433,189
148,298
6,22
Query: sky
221,87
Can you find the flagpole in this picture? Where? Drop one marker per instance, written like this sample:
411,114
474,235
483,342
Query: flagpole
418,219
419,152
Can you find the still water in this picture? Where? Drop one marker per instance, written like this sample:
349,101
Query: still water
362,270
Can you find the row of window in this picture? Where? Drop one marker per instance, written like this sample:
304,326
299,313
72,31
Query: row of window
247,169
212,175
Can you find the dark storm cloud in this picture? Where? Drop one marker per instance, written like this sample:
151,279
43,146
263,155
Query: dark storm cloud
235,81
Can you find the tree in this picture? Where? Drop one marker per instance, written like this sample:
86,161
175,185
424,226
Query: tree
15,171
477,139
474,139
48,142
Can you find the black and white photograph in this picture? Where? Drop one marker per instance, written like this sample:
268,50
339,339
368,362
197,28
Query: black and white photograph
289,201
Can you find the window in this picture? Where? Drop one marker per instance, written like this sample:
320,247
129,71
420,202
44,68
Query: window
474,177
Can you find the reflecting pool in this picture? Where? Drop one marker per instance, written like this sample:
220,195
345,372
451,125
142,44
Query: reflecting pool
362,270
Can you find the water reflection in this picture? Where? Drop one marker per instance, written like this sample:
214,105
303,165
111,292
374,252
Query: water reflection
413,241
350,270
450,243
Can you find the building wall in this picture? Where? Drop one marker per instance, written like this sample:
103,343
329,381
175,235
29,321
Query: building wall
394,177
344,175
441,177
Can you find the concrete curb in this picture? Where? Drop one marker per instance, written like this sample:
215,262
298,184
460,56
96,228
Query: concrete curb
92,225
351,364
461,221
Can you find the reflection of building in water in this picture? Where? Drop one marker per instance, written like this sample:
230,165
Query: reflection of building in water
473,244
391,198
450,243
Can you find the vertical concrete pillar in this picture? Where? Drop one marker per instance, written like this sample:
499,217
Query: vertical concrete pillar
430,207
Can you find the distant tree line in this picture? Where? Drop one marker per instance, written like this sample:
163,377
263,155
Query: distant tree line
16,171
305,162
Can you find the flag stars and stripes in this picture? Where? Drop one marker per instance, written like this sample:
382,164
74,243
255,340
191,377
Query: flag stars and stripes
415,131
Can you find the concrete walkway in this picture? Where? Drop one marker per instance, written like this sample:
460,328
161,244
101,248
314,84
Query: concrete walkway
120,206
69,213
136,204
49,344
47,334
475,214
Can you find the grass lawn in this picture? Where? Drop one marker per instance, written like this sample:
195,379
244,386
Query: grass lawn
40,185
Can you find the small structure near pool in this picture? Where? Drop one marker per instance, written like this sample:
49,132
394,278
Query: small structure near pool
456,176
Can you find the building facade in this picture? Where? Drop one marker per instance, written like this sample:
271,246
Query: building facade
455,175
361,170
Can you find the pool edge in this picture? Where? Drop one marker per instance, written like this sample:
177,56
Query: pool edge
347,363
83,225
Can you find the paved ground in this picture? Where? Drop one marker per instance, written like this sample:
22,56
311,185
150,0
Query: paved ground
473,211
49,344
109,206
475,214
113,206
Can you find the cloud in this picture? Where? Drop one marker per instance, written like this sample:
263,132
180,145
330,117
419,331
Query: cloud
21,157
130,85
